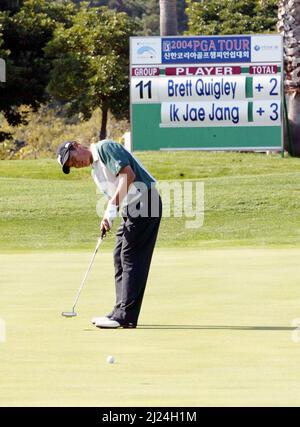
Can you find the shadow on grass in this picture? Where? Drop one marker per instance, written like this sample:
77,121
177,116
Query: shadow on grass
219,327
212,327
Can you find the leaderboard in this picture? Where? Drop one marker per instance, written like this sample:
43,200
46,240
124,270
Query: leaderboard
240,90
202,101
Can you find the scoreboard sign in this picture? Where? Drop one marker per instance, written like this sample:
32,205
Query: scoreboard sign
209,93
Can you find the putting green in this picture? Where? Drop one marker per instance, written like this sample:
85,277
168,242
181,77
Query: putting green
216,329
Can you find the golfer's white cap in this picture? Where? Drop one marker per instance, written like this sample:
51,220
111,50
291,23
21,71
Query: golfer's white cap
63,154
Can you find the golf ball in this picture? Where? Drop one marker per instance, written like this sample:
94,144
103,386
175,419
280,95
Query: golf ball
110,359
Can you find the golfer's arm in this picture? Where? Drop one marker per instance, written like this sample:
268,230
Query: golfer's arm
127,177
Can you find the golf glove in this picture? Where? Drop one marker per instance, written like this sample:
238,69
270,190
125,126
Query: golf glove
111,213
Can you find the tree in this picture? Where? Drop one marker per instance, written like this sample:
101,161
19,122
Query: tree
91,62
289,26
231,17
168,17
3,55
25,35
145,12
182,18
11,5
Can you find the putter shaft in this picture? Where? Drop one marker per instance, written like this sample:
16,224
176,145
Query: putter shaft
85,276
87,272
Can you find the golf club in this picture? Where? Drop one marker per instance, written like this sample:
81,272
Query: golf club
73,312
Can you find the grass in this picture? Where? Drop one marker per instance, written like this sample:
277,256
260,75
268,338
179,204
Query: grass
250,200
216,329
167,165
216,325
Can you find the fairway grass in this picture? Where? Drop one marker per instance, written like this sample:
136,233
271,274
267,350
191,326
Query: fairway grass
215,329
249,200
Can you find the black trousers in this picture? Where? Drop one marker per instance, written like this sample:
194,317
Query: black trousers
135,241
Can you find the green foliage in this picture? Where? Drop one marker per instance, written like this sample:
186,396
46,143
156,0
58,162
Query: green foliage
182,17
48,127
90,62
10,5
25,35
86,65
145,12
3,54
231,16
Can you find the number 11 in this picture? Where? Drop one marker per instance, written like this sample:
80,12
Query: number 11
143,86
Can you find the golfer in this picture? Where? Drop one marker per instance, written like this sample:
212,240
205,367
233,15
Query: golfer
131,192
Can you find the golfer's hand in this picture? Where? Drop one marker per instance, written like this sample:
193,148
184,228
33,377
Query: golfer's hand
110,215
104,226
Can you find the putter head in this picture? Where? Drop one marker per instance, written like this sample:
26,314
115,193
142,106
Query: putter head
69,314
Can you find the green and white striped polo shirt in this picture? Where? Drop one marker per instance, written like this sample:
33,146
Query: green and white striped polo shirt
109,158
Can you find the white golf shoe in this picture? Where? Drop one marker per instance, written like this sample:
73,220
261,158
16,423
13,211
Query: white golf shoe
99,319
105,322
